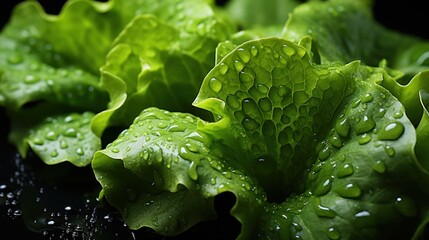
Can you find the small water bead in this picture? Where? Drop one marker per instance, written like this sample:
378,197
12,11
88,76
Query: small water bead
390,151
349,190
215,85
70,132
379,166
345,170
391,131
288,50
333,234
31,79
51,135
367,98
37,141
399,114
254,50
223,68
244,55
366,124
246,78
405,206
323,188
364,138
283,91
80,151
114,150
323,211
324,153
343,128
238,65
54,153
336,141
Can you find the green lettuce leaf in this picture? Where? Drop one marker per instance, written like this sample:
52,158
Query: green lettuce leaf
64,136
315,150
346,31
159,60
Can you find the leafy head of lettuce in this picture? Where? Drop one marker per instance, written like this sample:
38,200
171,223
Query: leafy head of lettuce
315,150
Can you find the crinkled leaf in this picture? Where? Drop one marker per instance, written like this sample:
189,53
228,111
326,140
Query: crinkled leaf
254,14
346,31
60,137
299,143
160,61
169,173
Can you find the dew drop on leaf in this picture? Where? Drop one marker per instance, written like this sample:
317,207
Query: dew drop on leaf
379,166
215,85
391,131
346,169
349,190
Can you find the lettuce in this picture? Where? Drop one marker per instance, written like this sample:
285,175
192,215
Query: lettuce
314,118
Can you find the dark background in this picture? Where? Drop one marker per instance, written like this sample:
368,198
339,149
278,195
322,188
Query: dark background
407,16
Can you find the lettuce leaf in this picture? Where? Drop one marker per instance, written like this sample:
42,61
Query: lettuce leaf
159,60
297,142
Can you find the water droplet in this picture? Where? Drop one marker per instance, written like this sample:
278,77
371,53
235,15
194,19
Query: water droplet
223,68
366,124
70,132
405,206
246,78
51,135
399,114
114,150
323,211
30,79
37,141
192,147
367,98
343,128
363,214
323,188
288,50
349,190
345,170
333,234
215,85
80,151
192,171
379,166
324,153
391,131
336,141
54,153
254,50
364,139
244,55
238,65
389,150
